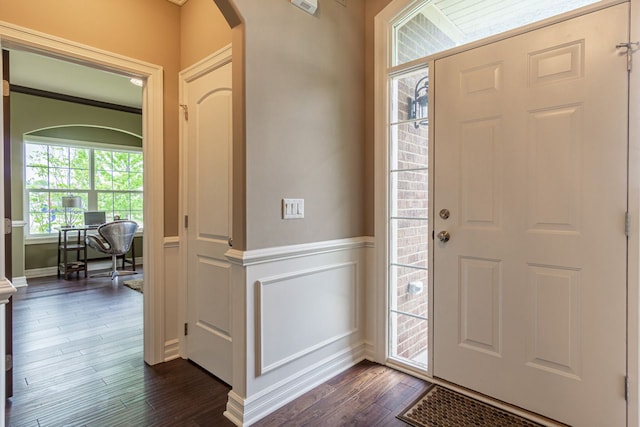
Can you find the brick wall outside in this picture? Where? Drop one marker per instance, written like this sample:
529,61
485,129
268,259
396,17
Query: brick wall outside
416,39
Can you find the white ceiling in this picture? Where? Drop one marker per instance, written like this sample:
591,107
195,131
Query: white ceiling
54,75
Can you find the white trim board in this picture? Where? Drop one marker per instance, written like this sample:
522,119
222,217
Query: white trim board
280,253
20,282
278,286
92,266
152,128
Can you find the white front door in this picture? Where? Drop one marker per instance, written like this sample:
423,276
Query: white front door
208,147
531,161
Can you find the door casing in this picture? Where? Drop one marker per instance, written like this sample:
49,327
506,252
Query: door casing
16,37
212,62
383,25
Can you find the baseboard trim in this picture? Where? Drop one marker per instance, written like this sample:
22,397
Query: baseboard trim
171,350
53,271
20,282
244,412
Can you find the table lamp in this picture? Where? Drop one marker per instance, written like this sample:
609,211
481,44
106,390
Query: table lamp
69,203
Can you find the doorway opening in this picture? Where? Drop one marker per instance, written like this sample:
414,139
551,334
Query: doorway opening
13,37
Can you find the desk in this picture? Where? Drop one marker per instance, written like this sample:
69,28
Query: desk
72,239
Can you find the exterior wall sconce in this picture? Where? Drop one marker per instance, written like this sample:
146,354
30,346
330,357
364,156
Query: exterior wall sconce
419,104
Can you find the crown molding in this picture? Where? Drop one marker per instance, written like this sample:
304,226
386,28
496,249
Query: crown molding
178,2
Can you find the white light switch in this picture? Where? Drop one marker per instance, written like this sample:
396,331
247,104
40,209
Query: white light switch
292,208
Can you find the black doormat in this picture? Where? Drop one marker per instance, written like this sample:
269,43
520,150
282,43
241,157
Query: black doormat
441,407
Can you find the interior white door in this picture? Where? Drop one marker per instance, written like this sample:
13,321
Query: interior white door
531,161
208,146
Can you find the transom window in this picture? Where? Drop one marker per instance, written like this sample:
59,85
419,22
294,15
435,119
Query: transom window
106,179
438,25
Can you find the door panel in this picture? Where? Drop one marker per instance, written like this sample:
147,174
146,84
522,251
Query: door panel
209,210
531,160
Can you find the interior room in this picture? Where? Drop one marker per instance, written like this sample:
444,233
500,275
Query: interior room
347,205
67,107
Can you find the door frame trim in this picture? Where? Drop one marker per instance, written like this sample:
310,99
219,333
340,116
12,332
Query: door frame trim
212,62
152,148
382,69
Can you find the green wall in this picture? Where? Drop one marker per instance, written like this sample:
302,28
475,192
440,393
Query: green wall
46,255
46,117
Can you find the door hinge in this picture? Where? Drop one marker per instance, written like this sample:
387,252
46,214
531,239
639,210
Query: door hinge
8,362
629,46
626,388
186,329
185,108
186,221
5,88
7,226
627,223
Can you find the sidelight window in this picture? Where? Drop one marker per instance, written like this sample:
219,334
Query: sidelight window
408,219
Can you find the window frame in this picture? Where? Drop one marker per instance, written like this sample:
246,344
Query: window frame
92,192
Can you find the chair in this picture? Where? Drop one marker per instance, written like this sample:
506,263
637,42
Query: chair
117,237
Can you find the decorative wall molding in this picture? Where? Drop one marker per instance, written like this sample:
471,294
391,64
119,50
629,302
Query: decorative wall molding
325,292
280,253
299,312
172,242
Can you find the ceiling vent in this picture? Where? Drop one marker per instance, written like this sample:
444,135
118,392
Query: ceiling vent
309,6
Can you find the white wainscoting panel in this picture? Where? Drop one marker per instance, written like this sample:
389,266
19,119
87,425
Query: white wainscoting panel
299,319
302,311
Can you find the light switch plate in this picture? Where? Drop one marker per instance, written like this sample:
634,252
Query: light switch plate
292,208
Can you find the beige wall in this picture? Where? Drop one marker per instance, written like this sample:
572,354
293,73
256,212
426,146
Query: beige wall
148,30
203,31
309,119
304,120
372,8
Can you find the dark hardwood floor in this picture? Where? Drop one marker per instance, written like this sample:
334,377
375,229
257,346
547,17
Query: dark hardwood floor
78,362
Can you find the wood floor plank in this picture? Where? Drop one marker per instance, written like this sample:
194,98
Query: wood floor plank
78,361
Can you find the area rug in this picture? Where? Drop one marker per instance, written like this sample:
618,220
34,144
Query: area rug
441,407
135,284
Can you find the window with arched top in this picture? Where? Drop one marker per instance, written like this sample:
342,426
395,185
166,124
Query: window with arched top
106,178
